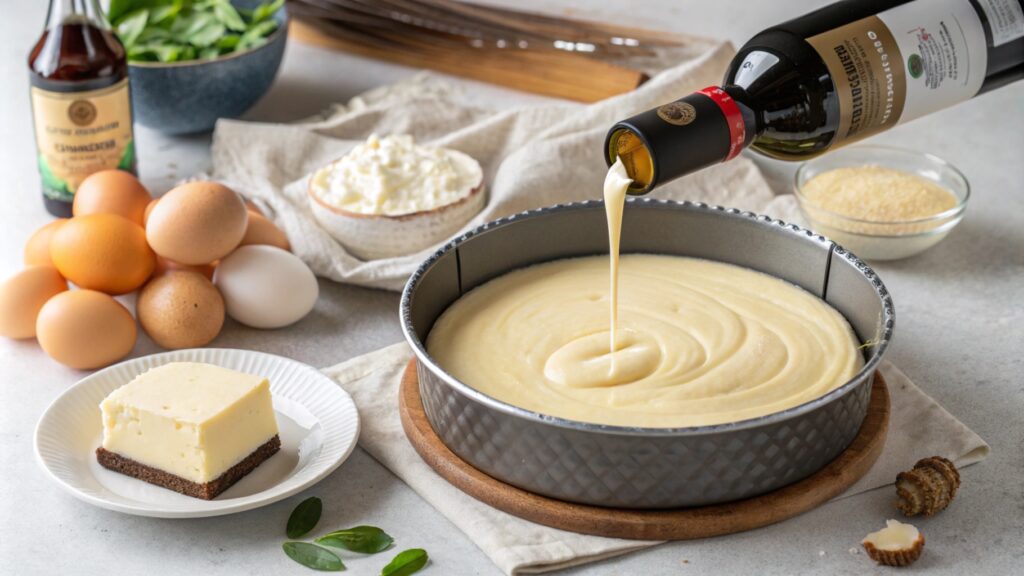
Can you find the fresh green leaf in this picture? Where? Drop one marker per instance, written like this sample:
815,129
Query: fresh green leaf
132,26
190,23
245,44
209,53
304,517
313,556
164,14
188,53
228,42
265,11
141,53
228,16
364,539
167,52
119,8
207,35
154,35
162,52
256,34
407,562
264,28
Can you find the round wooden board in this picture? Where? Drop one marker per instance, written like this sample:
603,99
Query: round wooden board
678,524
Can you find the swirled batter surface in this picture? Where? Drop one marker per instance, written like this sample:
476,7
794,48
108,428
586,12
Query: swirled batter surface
698,342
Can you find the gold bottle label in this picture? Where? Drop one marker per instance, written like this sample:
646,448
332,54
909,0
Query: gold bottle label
864,61
903,63
78,133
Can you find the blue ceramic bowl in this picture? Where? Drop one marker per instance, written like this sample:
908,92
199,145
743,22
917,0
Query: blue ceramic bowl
188,97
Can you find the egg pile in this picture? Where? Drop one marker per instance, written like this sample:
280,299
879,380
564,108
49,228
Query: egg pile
194,255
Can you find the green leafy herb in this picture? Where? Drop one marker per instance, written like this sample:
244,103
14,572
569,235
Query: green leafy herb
132,25
256,35
407,562
228,16
177,30
208,35
364,539
313,556
166,13
265,11
228,43
304,517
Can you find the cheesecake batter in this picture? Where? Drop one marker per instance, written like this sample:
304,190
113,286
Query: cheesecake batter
699,342
687,342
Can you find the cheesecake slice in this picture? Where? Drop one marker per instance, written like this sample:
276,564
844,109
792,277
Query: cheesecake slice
190,427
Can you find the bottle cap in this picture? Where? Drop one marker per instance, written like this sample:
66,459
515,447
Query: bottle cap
677,138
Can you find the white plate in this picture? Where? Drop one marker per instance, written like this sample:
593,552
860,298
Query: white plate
317,421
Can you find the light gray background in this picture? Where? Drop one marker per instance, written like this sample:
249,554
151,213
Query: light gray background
960,336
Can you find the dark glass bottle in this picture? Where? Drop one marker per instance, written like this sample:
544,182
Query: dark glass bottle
80,101
828,78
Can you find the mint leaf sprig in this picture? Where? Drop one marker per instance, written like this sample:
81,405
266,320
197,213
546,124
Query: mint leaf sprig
304,517
406,563
361,539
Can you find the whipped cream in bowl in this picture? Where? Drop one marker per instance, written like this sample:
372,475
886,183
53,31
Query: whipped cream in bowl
389,196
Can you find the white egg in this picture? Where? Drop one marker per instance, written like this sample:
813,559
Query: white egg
266,287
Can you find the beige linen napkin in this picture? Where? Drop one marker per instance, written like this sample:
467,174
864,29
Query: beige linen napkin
919,427
532,156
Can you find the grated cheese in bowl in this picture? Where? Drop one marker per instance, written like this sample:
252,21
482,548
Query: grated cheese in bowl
881,203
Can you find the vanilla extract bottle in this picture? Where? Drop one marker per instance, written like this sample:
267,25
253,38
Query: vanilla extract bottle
825,79
80,101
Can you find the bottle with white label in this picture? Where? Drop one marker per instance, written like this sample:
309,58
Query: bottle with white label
828,78
80,101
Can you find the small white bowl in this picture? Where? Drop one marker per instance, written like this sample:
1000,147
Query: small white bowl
888,240
376,236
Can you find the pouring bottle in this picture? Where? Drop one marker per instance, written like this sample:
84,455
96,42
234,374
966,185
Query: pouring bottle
828,78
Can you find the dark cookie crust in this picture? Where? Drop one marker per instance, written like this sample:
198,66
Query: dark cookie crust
207,491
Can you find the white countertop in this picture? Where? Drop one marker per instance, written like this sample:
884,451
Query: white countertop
959,336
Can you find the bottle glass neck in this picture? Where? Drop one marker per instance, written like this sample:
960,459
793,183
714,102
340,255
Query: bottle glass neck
75,12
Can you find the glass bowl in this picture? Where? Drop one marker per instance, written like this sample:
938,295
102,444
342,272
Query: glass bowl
884,240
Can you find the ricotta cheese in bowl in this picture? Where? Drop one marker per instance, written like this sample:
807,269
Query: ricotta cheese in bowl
390,197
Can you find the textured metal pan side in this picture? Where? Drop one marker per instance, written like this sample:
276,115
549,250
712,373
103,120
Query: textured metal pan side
645,467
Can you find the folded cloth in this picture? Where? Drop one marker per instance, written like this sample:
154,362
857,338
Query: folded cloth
918,428
532,156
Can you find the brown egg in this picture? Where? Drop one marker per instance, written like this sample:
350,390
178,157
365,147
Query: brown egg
37,250
85,329
197,223
23,294
149,210
112,192
263,231
180,309
103,252
163,265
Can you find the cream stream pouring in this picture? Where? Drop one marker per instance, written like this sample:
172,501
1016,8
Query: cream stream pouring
616,183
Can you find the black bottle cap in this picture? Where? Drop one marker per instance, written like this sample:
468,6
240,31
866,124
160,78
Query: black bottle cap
670,141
